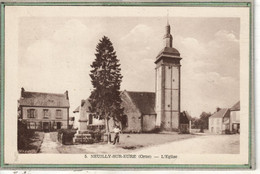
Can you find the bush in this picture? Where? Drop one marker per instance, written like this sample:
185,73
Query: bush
227,131
65,136
24,135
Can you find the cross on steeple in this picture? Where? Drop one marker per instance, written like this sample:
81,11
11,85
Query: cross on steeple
168,36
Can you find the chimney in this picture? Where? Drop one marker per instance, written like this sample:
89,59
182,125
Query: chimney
67,94
22,92
218,109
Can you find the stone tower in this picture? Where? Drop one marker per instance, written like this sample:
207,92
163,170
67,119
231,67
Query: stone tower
168,72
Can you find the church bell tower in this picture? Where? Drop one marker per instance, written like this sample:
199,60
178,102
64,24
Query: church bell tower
168,72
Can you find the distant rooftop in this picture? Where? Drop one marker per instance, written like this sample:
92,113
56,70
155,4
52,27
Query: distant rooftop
236,107
220,114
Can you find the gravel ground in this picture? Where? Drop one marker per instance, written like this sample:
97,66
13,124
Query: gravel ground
207,144
151,143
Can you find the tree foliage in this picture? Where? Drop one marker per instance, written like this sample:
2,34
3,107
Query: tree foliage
106,79
195,123
204,121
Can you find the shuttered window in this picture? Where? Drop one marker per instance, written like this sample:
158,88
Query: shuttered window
58,113
31,113
46,113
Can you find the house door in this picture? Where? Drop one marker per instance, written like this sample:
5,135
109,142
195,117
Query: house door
46,127
58,125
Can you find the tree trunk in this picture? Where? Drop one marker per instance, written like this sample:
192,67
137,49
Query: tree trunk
107,131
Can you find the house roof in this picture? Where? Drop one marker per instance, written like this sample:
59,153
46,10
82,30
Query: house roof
43,99
220,114
236,107
86,105
144,101
76,110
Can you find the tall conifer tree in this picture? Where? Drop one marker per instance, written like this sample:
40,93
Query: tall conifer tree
106,79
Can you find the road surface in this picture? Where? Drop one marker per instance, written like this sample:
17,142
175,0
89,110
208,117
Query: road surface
207,144
48,146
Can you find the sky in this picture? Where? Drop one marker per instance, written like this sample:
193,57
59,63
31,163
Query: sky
55,54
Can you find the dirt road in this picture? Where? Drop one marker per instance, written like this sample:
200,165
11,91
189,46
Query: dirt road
208,144
48,146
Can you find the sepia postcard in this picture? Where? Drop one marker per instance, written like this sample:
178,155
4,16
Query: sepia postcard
127,84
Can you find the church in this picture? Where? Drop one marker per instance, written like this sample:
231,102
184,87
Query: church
149,111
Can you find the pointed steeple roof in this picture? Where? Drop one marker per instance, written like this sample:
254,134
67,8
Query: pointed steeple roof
168,51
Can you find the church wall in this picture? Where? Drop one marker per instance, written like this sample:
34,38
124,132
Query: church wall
133,115
167,121
158,95
175,120
171,120
168,77
149,122
175,77
175,100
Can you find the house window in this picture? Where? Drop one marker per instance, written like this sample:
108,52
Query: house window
31,113
46,113
58,113
38,125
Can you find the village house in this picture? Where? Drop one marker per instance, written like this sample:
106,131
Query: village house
225,120
235,118
44,111
219,121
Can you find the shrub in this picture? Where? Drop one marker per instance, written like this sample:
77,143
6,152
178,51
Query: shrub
227,131
65,136
24,135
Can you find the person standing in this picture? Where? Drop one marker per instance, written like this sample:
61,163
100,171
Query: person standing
116,131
